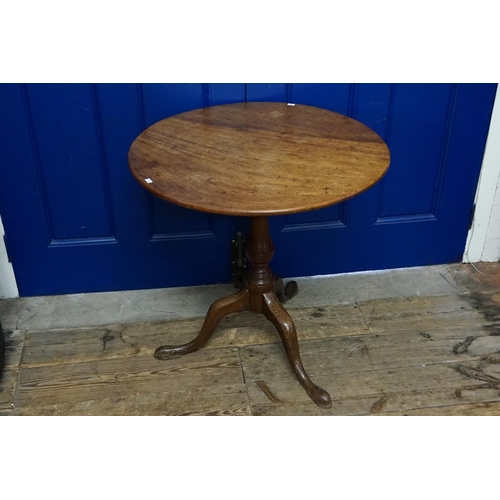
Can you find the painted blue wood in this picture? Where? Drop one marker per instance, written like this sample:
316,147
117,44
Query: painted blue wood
421,114
68,150
373,107
161,100
143,251
333,96
225,93
77,221
26,222
271,92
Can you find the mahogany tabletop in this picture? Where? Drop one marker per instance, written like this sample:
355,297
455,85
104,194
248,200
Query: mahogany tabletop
258,158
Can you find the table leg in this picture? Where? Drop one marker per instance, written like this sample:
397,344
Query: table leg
262,299
233,303
279,317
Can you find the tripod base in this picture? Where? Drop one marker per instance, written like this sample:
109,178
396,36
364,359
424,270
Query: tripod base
264,294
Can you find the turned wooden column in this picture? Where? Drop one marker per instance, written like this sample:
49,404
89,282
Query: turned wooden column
260,251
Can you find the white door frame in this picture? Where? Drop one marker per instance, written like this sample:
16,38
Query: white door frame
486,189
8,285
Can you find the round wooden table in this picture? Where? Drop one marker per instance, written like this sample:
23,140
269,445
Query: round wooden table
257,160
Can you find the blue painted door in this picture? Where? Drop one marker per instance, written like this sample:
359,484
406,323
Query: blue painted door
77,221
419,213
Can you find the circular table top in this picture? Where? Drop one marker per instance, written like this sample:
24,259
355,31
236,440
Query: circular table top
258,158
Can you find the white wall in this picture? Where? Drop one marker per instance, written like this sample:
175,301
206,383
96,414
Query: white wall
8,286
483,242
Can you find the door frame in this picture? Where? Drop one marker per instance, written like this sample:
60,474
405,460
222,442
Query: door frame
8,284
487,187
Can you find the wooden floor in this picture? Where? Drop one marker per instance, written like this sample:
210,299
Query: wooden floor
416,355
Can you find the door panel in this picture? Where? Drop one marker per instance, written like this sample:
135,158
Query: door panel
68,152
77,221
159,100
418,213
264,92
418,136
336,97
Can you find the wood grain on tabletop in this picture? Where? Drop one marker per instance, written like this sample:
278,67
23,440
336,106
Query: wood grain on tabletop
258,158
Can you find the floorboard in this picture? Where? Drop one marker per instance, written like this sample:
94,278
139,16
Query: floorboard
416,355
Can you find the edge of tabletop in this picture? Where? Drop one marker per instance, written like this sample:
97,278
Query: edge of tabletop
257,213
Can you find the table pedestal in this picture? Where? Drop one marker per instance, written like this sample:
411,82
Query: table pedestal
257,296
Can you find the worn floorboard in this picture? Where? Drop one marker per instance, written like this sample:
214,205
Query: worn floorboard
214,399
465,410
14,342
124,377
417,355
443,311
373,352
370,392
64,346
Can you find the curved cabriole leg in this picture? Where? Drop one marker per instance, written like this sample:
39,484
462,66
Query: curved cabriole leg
219,309
276,313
